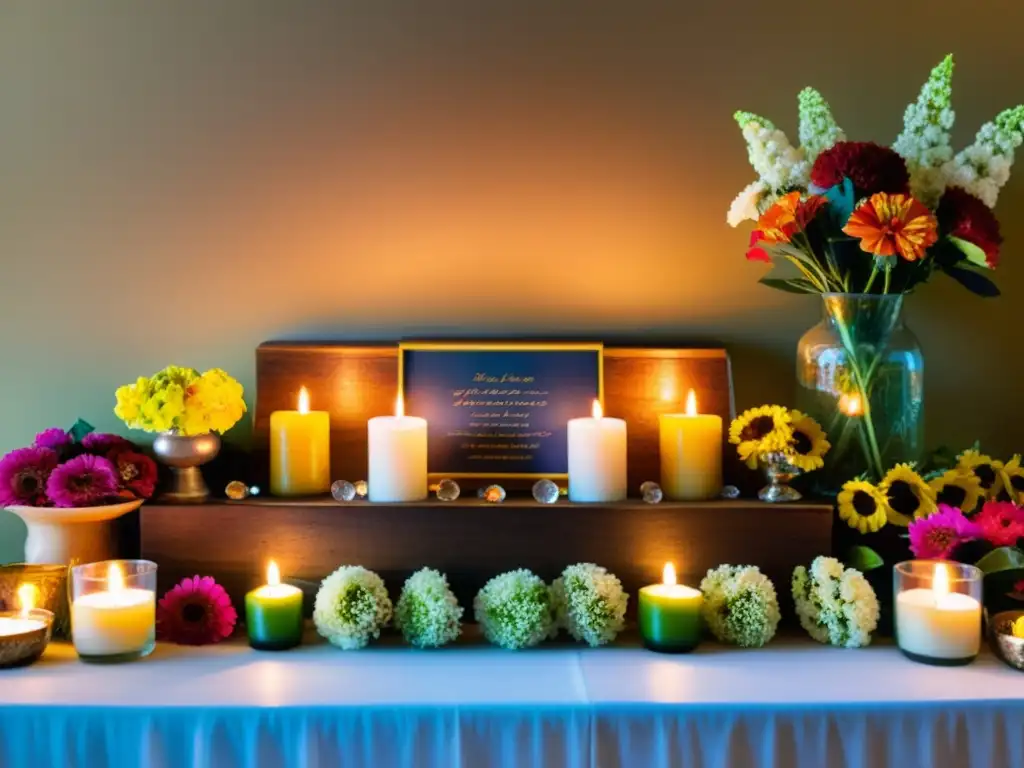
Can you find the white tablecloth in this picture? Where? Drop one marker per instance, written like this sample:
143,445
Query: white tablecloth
791,704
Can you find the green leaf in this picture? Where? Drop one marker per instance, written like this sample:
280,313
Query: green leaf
974,254
80,430
1001,559
974,282
864,559
840,202
792,285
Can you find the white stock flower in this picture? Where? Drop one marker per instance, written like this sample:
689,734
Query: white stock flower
924,141
745,206
983,168
780,165
818,129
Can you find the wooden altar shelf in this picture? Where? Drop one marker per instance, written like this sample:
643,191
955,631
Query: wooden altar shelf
472,541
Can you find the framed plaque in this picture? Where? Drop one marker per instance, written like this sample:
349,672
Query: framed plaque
499,410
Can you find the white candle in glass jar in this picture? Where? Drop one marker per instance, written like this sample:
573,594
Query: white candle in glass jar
120,620
937,623
597,458
397,457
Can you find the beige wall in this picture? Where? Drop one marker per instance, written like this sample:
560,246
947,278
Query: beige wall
181,181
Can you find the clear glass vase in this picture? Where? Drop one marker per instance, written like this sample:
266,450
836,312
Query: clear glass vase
860,375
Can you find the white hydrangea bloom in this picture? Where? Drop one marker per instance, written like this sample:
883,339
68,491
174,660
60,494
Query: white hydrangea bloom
924,141
514,609
779,164
834,605
983,168
427,613
590,603
740,605
351,606
818,129
745,207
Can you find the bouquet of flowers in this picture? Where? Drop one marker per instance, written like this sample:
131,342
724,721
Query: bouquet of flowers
851,218
181,400
773,429
75,468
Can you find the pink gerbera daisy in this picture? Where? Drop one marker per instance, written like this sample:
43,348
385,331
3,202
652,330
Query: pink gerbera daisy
84,481
196,611
137,472
53,438
102,443
23,475
936,536
1001,523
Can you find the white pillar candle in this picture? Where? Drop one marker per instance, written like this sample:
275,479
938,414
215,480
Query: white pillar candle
120,620
597,458
397,457
937,623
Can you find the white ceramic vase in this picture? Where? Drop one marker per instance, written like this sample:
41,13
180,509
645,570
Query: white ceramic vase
68,536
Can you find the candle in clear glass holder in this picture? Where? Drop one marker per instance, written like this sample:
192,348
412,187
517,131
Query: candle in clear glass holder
938,611
669,615
113,610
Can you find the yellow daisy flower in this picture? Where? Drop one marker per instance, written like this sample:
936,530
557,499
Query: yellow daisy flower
765,429
958,489
907,494
862,506
1011,480
809,443
985,468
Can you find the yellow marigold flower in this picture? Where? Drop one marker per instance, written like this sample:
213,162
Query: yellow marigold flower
907,494
959,489
765,429
862,506
809,443
985,468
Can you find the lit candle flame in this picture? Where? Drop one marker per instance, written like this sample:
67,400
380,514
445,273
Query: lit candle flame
597,410
851,404
27,597
303,400
940,581
273,574
115,578
668,575
691,403
399,406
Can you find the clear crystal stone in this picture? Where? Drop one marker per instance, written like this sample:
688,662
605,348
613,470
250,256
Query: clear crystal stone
254,490
236,490
343,490
494,494
647,486
545,491
652,493
730,492
448,490
362,489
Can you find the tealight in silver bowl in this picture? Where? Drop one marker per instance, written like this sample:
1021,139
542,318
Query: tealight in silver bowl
23,648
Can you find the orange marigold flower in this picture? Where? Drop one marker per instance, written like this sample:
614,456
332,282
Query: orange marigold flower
788,216
893,224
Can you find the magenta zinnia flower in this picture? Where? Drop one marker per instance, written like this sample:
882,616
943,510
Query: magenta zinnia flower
84,481
936,536
196,611
1001,523
102,443
53,438
136,471
23,476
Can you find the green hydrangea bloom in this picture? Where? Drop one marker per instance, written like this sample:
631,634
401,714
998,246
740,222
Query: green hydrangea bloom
427,612
514,610
590,603
740,605
352,605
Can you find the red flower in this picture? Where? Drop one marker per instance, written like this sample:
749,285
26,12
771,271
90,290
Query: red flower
963,215
756,252
1001,523
137,473
870,167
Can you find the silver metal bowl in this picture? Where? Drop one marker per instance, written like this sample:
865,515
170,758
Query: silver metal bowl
1000,636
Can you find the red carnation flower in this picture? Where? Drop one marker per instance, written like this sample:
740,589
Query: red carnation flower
871,168
963,215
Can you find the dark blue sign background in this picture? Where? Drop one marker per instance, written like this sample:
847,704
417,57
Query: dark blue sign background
499,412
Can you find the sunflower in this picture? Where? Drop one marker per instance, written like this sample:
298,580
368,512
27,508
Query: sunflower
808,445
1011,481
958,489
907,494
765,429
985,468
862,506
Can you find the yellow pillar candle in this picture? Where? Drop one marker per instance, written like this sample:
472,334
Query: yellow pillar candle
691,454
597,458
397,457
300,450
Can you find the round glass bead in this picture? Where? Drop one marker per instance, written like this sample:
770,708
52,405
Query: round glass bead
448,490
343,490
730,492
254,490
647,486
545,491
653,494
494,494
362,489
236,490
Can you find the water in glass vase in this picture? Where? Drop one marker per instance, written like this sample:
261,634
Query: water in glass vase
859,374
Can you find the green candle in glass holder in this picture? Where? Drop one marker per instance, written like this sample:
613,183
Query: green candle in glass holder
669,614
273,614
